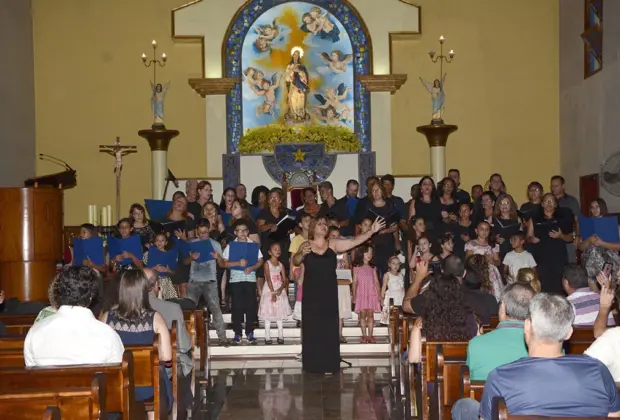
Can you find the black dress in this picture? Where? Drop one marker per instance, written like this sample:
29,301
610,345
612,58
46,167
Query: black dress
459,244
431,213
505,228
384,246
266,240
320,340
550,254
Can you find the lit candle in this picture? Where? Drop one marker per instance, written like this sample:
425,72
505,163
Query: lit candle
143,57
154,43
441,38
451,52
164,57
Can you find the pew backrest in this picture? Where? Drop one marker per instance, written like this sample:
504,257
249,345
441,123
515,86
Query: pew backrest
52,413
77,403
119,379
17,324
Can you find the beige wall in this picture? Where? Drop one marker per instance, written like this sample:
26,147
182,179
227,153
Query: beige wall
589,109
502,91
17,127
91,87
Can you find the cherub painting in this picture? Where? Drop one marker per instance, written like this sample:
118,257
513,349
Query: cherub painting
266,35
329,116
318,23
261,87
437,96
334,98
337,61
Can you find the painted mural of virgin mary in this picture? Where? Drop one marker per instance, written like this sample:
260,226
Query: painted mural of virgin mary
298,85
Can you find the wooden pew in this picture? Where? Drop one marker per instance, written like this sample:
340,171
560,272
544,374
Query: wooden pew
76,403
582,338
500,412
12,342
469,388
119,378
405,323
17,324
393,335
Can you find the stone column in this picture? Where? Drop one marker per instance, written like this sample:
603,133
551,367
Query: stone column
437,137
159,141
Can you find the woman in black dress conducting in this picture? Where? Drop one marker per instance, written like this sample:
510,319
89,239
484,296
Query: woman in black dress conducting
320,342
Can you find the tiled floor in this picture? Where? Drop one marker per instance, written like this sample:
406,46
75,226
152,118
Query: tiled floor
271,390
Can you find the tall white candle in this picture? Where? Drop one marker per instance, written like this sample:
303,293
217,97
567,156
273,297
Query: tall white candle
103,216
96,215
110,218
90,213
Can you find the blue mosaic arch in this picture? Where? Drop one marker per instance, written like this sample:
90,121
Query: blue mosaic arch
362,64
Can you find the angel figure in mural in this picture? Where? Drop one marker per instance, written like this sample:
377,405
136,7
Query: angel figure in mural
318,23
330,116
333,98
158,95
337,61
266,35
261,87
437,96
298,85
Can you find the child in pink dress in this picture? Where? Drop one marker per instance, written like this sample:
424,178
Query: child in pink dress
366,291
274,305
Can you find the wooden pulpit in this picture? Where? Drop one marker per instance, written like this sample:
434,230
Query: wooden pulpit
31,223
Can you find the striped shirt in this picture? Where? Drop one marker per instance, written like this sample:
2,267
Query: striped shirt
586,304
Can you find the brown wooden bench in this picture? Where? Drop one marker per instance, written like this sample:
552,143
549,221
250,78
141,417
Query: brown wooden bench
119,379
580,340
17,324
500,412
75,403
469,388
393,336
12,342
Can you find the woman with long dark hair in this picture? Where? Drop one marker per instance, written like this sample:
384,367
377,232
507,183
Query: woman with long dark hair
228,196
428,206
446,316
204,193
548,232
141,225
259,200
320,341
446,191
136,323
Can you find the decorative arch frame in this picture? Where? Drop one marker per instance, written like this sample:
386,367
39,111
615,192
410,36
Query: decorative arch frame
232,47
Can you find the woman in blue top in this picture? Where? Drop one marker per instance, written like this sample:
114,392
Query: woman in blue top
137,323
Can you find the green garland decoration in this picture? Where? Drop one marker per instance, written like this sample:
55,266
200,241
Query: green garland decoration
263,139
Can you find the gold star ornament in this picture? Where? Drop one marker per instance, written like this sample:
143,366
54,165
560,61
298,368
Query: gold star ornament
299,155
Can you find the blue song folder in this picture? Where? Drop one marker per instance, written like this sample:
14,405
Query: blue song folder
204,248
243,251
117,246
163,258
605,228
158,209
84,249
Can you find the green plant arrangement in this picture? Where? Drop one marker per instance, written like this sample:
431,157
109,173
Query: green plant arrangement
264,139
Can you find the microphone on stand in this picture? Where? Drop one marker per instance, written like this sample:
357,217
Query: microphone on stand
55,160
173,179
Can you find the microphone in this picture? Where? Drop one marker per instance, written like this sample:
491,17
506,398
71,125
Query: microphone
52,159
173,179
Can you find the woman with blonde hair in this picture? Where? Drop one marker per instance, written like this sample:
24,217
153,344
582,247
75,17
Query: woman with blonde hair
529,275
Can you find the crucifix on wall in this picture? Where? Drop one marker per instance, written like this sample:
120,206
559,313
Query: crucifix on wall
119,151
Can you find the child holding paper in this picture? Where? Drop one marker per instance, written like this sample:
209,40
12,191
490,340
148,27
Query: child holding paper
274,305
127,260
88,231
242,280
160,244
203,275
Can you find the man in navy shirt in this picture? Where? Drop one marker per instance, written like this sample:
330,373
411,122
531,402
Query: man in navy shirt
548,383
462,196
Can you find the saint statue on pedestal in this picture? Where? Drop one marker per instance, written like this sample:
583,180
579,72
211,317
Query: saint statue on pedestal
437,97
298,85
158,95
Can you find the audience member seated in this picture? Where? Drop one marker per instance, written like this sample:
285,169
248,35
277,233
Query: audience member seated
482,303
505,343
585,302
136,323
530,276
548,383
73,335
171,311
446,316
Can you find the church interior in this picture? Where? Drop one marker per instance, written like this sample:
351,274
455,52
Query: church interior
116,107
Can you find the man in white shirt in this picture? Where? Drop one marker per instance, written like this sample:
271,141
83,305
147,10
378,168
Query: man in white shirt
73,336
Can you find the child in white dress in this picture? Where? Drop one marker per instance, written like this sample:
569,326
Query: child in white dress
274,305
393,288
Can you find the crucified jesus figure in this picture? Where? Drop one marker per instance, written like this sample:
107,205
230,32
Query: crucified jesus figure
118,151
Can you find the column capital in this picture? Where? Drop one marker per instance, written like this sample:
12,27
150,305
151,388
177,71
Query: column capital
437,134
382,82
158,139
213,86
